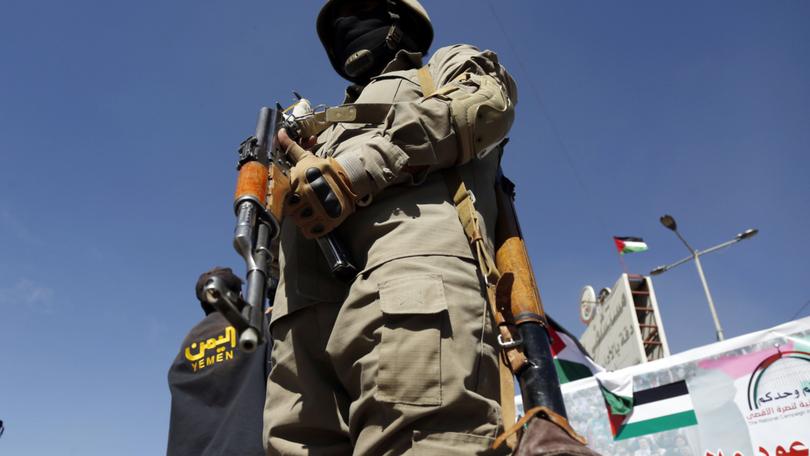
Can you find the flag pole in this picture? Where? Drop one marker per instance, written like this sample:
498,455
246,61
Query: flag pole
621,260
619,251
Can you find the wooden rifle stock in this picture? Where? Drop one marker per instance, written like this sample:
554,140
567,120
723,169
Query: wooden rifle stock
517,292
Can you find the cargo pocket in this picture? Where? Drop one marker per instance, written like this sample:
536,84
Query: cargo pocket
414,313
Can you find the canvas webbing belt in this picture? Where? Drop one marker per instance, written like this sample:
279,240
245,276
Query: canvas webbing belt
426,81
370,113
512,358
367,113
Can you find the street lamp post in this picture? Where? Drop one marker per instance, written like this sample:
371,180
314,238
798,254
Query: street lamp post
669,222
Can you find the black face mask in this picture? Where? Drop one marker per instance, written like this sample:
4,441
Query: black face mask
359,42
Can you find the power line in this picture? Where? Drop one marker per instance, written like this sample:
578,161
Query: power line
555,131
800,310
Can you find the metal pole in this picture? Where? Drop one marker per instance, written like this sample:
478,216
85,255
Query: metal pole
717,327
669,223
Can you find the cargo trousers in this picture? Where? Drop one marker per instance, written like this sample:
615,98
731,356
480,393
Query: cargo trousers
406,365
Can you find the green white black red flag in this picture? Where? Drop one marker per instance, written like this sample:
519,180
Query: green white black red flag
629,244
571,360
636,413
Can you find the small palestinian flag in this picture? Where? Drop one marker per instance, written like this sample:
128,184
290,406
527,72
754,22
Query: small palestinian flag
659,409
570,357
629,244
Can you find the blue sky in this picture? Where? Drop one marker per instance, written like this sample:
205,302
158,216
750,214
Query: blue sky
119,122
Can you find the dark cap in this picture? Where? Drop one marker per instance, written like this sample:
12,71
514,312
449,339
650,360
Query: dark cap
232,281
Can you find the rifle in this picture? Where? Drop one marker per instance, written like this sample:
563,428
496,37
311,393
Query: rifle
518,295
539,384
256,226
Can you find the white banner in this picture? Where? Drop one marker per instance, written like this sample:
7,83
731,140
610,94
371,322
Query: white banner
750,396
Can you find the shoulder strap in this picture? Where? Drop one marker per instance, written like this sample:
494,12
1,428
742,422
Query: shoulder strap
429,86
373,113
508,339
512,358
426,81
365,113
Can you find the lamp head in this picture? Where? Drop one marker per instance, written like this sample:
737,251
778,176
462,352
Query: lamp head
669,222
751,232
658,270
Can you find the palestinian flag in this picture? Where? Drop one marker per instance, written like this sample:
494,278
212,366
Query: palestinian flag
570,357
629,244
633,414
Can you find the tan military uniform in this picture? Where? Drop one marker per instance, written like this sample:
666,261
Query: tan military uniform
403,359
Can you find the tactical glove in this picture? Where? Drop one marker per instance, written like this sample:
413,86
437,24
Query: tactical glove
320,196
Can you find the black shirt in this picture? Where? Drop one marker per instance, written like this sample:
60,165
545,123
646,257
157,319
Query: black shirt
217,393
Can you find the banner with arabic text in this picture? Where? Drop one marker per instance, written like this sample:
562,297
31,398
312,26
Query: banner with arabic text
745,396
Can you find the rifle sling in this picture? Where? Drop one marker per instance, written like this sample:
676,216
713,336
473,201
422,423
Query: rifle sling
375,113
512,359
363,113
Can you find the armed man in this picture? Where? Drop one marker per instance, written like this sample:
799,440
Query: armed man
403,357
215,385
